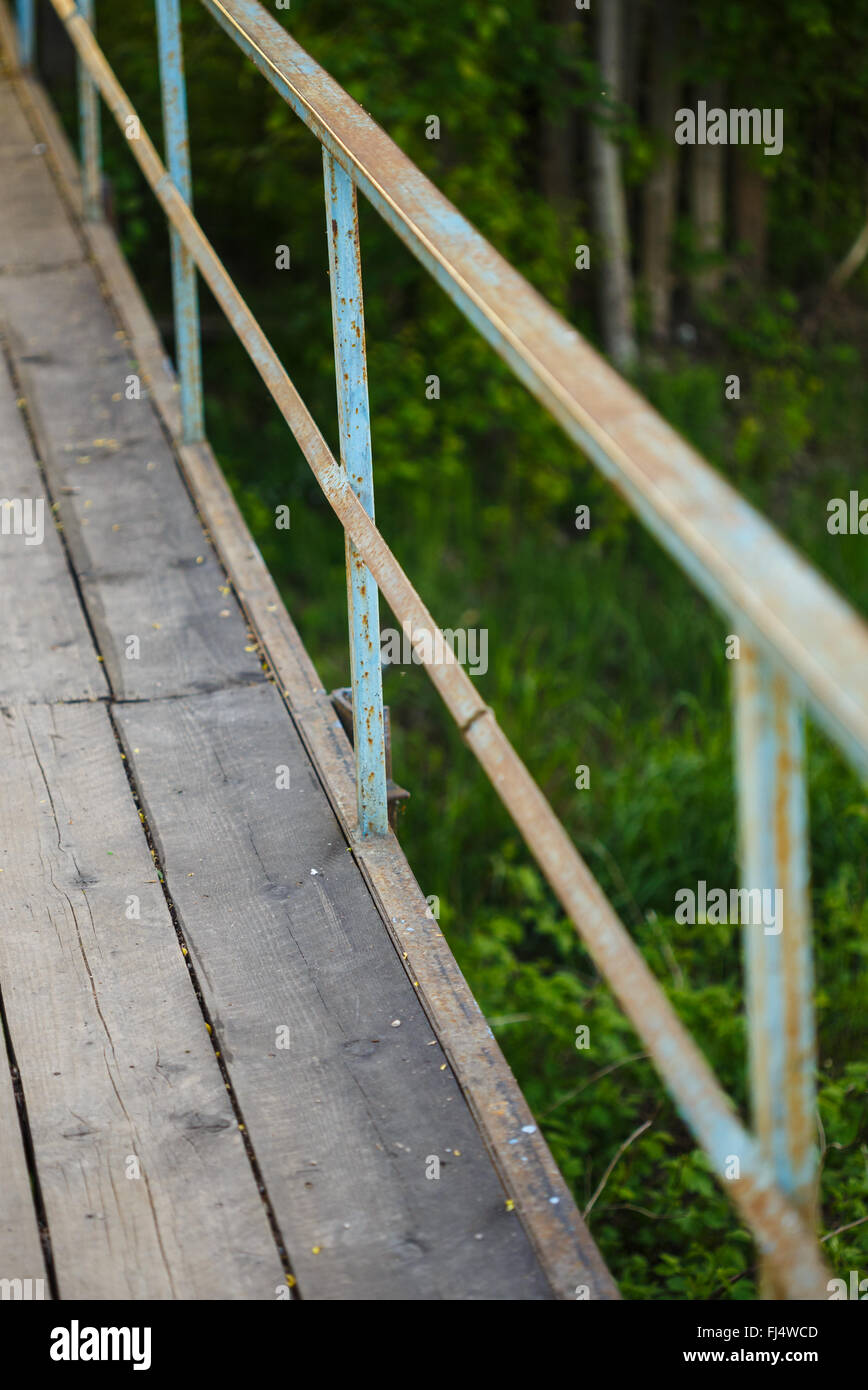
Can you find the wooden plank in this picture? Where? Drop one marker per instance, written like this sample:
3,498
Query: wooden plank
144,563
20,1246
41,121
17,134
283,934
114,1057
46,649
30,232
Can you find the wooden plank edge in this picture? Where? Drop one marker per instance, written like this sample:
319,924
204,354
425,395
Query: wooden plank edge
22,1252
563,1245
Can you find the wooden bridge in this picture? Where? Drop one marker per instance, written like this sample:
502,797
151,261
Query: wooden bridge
240,1050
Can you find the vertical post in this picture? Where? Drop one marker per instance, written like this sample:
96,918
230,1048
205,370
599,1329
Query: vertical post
26,11
89,131
186,300
774,849
342,223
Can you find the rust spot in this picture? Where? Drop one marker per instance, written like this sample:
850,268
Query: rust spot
792,944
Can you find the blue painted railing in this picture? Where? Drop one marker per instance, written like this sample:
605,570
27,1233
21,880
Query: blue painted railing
802,648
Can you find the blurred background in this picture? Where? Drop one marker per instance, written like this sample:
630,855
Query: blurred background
556,131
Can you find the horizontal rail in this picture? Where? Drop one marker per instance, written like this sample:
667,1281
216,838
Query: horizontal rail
730,552
784,1239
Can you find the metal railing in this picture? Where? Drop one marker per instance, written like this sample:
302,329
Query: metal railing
802,647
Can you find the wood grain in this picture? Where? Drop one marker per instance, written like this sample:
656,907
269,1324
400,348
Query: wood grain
284,934
144,563
114,1057
20,1246
47,651
31,234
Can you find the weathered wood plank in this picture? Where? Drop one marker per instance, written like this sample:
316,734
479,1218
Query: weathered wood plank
20,1246
146,568
284,935
17,134
31,234
47,651
115,1060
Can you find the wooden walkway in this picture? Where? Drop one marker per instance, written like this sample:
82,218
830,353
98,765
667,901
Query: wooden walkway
223,1075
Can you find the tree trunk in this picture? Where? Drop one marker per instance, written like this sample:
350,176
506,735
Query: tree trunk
559,122
55,56
558,143
851,262
631,61
837,280
611,253
751,214
707,202
661,186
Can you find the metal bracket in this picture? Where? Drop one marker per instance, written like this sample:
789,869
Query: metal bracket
342,700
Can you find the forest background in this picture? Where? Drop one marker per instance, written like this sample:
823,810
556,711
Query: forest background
557,131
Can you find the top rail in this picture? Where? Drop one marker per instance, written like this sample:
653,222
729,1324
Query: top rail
730,552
